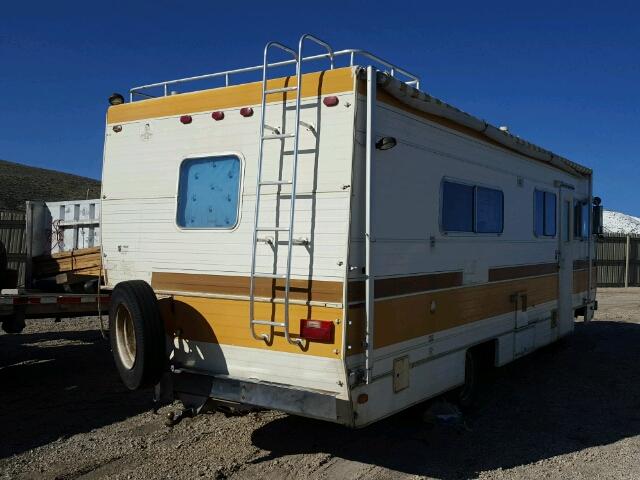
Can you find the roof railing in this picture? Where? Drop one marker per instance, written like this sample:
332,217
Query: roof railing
352,55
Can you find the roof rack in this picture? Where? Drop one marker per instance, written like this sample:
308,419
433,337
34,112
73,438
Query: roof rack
350,54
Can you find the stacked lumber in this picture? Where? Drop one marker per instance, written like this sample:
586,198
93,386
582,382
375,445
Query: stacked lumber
81,262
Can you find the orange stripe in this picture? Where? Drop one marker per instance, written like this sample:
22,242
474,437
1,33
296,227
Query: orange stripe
404,318
226,322
236,96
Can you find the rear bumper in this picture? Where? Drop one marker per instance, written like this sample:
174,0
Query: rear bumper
191,387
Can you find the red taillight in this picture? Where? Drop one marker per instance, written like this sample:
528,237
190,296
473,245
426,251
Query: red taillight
186,119
330,101
318,330
246,111
217,116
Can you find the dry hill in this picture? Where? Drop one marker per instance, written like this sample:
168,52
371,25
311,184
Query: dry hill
19,183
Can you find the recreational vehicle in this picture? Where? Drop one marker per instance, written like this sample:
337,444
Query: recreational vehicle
331,241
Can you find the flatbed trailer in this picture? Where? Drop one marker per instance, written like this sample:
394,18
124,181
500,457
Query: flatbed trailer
17,306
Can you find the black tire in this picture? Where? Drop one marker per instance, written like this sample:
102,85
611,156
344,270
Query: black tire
466,395
13,323
3,258
142,362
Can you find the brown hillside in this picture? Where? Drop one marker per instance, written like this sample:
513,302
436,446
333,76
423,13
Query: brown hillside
19,183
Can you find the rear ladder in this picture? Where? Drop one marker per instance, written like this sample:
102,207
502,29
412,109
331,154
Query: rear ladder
275,134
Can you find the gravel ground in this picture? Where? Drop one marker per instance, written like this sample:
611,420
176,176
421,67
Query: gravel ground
571,410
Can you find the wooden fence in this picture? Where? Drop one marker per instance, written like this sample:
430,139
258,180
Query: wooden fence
618,260
12,235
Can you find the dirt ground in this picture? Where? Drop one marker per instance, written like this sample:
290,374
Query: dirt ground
571,410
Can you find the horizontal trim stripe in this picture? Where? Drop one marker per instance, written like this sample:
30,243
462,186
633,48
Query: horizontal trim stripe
313,85
507,273
226,322
390,287
321,291
403,318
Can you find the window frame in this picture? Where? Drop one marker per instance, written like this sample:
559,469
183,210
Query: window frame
473,185
555,194
200,156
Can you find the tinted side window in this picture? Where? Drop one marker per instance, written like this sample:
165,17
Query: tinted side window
544,213
208,192
457,207
550,214
489,210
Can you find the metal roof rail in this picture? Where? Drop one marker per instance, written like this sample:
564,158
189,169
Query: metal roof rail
352,54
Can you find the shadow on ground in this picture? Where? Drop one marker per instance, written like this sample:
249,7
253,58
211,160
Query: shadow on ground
57,384
580,393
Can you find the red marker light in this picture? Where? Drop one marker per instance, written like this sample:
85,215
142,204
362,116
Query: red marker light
217,116
186,119
318,330
246,111
330,101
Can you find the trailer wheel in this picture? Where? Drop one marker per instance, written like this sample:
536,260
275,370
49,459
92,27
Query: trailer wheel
137,334
13,323
3,258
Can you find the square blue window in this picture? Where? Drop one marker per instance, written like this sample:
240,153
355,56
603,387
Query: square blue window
208,192
489,210
457,207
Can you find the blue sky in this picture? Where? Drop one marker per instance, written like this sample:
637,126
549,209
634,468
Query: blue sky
565,75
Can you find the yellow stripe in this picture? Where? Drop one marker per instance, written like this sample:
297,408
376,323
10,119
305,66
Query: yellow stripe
313,85
404,318
226,322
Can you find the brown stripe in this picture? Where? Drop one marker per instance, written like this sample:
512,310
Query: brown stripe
508,273
404,318
305,290
580,264
581,280
389,287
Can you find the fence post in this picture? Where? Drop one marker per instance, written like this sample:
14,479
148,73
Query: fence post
626,262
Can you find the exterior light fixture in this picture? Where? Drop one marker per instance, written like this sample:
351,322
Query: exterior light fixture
116,99
117,128
330,101
386,143
217,115
246,111
186,119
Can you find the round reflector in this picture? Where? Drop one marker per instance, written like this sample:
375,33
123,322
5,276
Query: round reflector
217,116
186,119
330,101
246,111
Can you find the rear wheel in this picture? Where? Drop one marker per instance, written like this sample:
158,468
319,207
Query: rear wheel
137,334
3,258
467,394
13,323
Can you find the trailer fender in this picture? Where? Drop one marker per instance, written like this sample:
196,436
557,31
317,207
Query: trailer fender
137,334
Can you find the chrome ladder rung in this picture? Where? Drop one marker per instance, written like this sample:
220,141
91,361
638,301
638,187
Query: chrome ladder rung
278,137
268,322
276,182
271,275
272,229
280,90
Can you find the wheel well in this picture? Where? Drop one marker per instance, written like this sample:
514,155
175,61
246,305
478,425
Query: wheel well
485,353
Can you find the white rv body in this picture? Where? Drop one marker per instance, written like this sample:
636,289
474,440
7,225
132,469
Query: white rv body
424,295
